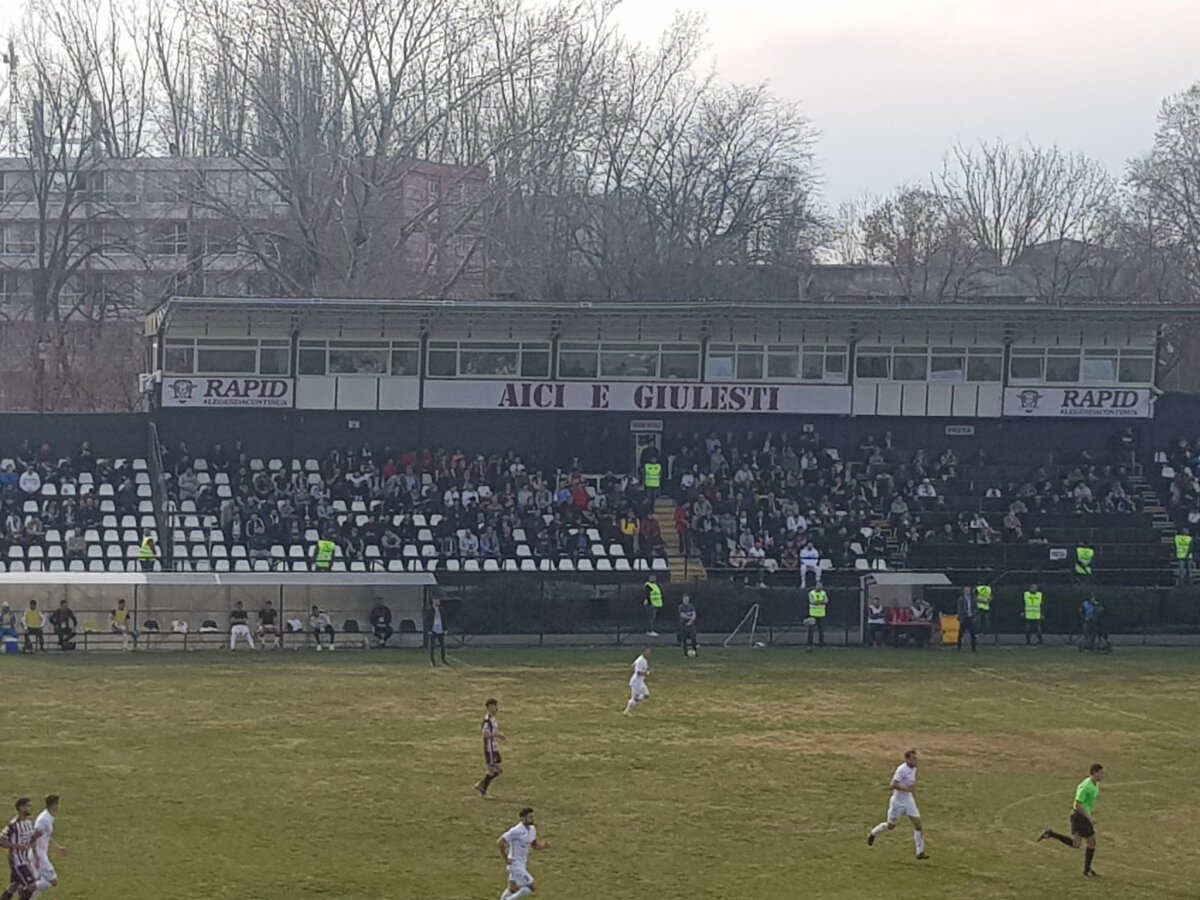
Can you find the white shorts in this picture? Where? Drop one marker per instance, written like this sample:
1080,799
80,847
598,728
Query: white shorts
519,875
902,805
240,631
638,689
44,868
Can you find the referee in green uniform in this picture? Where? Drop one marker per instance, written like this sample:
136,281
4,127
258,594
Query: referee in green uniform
1083,826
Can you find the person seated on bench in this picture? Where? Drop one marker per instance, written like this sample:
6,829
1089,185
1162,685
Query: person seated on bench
120,623
268,625
381,622
321,625
922,614
8,624
65,625
238,627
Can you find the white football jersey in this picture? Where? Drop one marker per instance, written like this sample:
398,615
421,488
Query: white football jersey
520,839
641,666
906,776
44,824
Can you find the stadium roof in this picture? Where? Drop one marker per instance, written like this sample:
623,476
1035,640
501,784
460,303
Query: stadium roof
390,315
907,579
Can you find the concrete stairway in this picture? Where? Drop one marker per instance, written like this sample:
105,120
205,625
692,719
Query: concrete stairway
690,570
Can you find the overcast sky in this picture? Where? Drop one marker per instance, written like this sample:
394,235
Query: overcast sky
892,83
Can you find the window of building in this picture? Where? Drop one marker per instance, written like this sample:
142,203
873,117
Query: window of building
749,362
227,356
1025,367
1062,367
628,361
947,365
275,356
1099,367
18,239
488,359
680,362
578,360
358,357
1137,367
985,364
312,358
910,366
721,363
170,240
406,358
873,363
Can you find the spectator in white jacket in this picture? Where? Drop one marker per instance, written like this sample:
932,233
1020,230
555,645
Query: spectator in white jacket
810,561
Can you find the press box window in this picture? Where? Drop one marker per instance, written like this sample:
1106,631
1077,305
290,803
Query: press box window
179,360
1062,368
231,361
406,360
1136,369
274,357
1026,368
873,365
577,363
443,359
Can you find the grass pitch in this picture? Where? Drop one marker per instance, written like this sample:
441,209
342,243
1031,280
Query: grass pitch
749,774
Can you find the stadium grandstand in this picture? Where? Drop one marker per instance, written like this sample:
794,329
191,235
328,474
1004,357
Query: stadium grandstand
768,444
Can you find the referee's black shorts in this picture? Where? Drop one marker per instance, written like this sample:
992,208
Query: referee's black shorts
1081,826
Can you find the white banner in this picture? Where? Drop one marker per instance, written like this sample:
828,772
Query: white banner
634,396
205,391
1099,402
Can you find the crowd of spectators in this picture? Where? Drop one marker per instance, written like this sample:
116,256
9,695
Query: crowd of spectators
760,503
47,497
1183,485
474,507
772,502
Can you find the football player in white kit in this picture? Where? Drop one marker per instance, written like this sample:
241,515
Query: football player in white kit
903,803
47,877
637,684
515,845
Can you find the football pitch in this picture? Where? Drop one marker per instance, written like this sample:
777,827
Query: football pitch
748,774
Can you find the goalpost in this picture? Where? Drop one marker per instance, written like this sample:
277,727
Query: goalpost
750,618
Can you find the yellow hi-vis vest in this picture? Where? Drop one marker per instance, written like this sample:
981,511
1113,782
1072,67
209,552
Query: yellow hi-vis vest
325,551
147,549
655,590
34,619
983,595
1083,560
1183,546
1033,605
653,475
817,601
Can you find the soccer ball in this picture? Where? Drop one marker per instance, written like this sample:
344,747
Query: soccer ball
691,653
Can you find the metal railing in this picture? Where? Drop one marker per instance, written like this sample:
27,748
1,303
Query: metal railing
161,497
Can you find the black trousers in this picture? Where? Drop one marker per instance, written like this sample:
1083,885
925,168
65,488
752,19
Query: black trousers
438,641
819,627
383,632
1033,626
966,625
687,635
985,621
66,636
876,631
32,634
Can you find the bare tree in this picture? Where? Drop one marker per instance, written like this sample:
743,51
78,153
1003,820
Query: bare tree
1038,207
67,326
928,249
